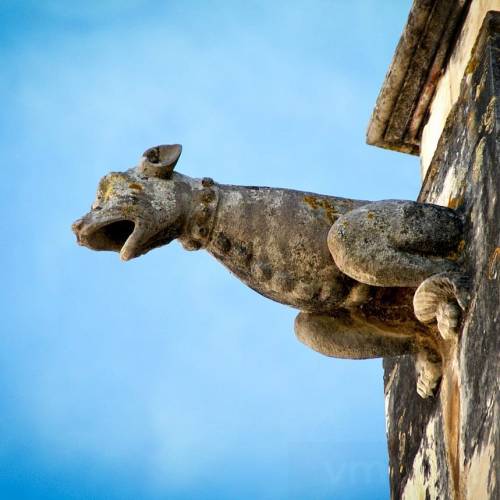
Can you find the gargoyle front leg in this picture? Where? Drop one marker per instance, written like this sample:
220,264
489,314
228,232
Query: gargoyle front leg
395,243
405,243
342,335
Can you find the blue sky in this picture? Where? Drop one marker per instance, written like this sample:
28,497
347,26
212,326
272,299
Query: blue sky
164,377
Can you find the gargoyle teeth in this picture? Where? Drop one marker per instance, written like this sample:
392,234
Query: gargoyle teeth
131,247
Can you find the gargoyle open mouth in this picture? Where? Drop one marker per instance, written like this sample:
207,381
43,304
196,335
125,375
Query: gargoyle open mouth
119,235
110,236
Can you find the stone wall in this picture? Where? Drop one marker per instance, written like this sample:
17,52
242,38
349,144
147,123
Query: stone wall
449,446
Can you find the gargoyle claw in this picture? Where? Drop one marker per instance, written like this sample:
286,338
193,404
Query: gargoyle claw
448,316
442,297
428,375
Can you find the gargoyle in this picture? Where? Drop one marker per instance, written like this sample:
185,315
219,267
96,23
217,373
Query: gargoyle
368,277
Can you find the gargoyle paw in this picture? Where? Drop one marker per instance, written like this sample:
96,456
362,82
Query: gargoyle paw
428,375
442,297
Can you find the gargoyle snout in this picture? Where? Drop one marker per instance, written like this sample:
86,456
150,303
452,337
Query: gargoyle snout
108,232
76,228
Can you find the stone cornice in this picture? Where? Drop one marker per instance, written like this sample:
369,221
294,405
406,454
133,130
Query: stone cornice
420,59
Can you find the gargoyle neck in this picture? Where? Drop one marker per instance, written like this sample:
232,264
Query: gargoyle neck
201,219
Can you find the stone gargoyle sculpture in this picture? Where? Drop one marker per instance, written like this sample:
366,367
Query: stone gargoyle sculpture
370,278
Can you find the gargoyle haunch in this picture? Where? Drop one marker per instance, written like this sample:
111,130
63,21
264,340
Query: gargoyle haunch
369,278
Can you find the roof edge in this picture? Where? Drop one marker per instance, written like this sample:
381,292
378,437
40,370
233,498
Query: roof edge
409,85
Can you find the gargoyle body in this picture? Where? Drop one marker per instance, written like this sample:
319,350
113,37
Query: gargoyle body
351,267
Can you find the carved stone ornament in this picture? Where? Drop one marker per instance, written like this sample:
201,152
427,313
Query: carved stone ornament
354,269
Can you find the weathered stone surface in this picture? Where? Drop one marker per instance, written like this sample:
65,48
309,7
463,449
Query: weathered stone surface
447,84
449,446
350,266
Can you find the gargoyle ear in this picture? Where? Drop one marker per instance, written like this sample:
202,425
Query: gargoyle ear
160,161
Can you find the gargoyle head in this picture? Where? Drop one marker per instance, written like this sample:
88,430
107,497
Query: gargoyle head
139,209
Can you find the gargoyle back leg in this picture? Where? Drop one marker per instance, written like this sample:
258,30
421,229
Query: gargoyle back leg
343,336
395,243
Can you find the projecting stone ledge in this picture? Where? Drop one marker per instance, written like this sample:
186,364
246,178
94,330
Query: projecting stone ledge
410,83
449,446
